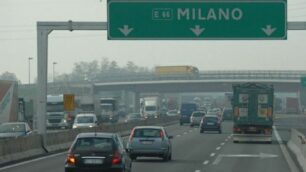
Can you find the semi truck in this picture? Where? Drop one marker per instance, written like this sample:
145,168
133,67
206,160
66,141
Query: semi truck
59,116
253,112
108,110
169,72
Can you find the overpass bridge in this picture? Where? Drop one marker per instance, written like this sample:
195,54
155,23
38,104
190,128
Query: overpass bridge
208,81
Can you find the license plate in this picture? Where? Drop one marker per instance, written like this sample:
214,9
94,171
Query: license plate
252,128
210,123
93,161
146,142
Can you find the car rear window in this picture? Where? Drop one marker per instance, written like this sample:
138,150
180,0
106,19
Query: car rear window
211,119
147,133
198,114
94,144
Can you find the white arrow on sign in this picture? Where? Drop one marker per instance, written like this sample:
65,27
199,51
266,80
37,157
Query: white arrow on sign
126,30
260,155
268,30
197,30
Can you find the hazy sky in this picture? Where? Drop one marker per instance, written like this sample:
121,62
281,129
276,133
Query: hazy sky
18,42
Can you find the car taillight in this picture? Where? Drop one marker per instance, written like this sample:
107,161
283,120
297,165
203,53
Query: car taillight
71,159
132,134
270,112
236,112
116,158
237,130
161,133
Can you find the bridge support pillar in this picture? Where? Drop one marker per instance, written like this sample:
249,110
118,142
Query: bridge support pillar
136,102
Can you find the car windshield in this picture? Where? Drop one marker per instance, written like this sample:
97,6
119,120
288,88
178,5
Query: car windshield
150,108
94,144
198,114
153,133
85,119
12,128
133,116
211,119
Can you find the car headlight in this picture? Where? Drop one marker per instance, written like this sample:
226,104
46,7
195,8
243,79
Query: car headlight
74,126
90,126
64,120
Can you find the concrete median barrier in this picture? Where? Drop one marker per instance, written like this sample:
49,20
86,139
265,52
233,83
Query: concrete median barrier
20,148
297,144
25,147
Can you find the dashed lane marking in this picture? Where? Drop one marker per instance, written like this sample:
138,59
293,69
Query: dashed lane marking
212,154
197,171
185,132
206,162
222,143
218,148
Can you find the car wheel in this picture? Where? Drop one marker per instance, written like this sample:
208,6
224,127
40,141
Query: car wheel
165,157
181,123
133,157
201,131
170,157
220,131
191,125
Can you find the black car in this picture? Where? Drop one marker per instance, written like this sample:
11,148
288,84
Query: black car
98,152
210,123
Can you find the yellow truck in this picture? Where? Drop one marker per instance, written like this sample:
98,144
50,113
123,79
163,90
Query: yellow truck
189,72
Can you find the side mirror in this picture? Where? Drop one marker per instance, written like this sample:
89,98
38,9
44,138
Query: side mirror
170,137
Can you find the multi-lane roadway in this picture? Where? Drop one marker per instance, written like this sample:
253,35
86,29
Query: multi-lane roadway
195,152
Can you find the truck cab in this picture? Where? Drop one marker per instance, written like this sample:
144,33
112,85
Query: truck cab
57,117
253,112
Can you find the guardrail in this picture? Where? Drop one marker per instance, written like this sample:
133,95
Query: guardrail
25,147
297,144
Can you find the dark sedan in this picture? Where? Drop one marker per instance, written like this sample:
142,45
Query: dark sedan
210,123
98,152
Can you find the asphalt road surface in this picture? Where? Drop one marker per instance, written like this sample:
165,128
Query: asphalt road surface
195,152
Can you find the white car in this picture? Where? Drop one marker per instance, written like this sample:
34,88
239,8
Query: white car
87,120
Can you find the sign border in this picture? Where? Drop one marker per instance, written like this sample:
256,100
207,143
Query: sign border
109,2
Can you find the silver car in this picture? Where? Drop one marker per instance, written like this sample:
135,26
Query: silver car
196,117
150,141
14,129
87,120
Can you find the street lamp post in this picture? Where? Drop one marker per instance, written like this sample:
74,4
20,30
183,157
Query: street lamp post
29,60
54,63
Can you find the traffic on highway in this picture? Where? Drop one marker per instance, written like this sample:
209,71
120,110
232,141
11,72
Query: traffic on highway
152,86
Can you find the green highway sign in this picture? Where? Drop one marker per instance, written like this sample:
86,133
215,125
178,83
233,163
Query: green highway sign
303,81
197,19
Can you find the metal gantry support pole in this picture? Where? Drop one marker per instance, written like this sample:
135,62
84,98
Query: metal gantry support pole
43,30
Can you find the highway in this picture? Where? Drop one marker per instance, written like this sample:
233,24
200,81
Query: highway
195,152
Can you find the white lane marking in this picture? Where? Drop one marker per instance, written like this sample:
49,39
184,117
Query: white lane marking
218,148
31,161
178,135
212,154
226,140
197,171
206,162
222,143
260,155
185,132
285,152
190,131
